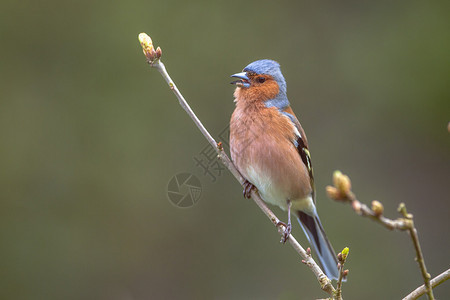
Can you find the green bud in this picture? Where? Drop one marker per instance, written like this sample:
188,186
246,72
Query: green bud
345,253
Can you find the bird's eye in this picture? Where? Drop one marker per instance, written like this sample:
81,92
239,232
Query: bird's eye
261,79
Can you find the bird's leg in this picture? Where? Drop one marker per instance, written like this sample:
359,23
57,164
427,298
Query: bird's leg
248,187
288,227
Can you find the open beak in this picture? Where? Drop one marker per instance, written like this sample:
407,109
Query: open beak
243,81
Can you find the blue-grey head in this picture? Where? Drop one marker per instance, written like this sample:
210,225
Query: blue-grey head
262,79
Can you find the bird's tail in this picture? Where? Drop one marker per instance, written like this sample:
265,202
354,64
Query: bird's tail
316,236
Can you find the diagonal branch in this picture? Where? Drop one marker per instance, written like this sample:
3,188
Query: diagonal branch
154,59
434,283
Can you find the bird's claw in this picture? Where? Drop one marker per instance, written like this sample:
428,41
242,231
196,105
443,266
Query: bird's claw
248,187
286,233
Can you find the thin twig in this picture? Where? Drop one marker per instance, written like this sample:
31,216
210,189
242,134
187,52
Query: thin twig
154,59
419,255
341,191
363,210
342,257
339,283
434,283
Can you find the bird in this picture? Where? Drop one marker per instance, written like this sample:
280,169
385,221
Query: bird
269,148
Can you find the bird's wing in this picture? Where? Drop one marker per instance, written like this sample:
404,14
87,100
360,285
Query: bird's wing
302,146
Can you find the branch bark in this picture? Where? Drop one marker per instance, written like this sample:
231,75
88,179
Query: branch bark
434,283
154,59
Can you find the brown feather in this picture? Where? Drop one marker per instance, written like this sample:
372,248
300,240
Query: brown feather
262,138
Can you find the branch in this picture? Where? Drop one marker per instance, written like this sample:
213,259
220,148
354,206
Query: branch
341,191
419,255
154,59
434,283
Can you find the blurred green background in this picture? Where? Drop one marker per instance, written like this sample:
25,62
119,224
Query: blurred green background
91,136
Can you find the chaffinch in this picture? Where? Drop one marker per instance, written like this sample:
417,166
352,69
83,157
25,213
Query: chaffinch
269,148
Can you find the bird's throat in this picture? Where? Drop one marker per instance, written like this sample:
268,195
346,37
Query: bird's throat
257,93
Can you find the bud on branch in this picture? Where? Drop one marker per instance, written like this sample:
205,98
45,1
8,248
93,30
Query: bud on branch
148,49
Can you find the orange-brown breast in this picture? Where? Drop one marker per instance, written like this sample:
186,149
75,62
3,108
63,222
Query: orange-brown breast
263,150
